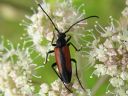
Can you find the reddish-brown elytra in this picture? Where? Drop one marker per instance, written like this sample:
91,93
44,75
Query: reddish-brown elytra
62,53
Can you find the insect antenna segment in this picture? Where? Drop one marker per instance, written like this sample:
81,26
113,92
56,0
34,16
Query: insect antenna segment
79,22
48,17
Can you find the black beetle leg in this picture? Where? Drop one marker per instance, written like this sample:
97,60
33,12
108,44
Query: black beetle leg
73,60
53,65
47,55
68,38
74,46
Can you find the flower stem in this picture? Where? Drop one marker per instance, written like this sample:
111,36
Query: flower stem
98,84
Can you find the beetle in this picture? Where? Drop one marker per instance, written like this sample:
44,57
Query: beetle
62,53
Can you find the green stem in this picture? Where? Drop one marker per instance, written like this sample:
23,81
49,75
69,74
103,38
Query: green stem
98,84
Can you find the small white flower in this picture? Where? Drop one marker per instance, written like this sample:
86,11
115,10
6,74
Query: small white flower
124,75
88,92
100,70
76,85
120,50
116,82
120,92
115,38
112,70
78,88
127,92
91,59
8,93
52,93
44,88
64,92
125,12
56,86
101,53
107,31
108,44
49,36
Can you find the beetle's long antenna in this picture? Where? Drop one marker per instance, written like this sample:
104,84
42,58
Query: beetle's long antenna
48,17
78,22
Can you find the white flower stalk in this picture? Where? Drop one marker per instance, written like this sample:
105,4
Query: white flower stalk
41,29
58,89
110,53
16,70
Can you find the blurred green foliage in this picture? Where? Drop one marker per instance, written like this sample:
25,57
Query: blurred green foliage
12,12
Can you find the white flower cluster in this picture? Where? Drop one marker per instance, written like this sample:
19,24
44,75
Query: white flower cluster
15,71
57,89
110,54
41,29
125,11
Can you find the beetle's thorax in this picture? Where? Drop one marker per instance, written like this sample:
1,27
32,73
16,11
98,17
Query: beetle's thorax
61,40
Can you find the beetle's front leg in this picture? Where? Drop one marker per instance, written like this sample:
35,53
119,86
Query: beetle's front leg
73,46
48,55
53,39
68,38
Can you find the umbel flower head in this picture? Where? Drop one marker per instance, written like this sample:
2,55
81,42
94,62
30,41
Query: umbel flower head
58,89
41,29
109,53
16,70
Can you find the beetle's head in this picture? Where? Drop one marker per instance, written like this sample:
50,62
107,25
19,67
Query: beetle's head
60,42
61,35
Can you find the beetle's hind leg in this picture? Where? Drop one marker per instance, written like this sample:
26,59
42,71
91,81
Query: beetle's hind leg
73,60
53,65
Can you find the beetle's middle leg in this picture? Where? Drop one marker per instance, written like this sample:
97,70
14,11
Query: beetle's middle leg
73,60
53,65
47,56
73,46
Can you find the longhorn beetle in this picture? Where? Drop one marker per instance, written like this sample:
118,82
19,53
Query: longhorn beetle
62,53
